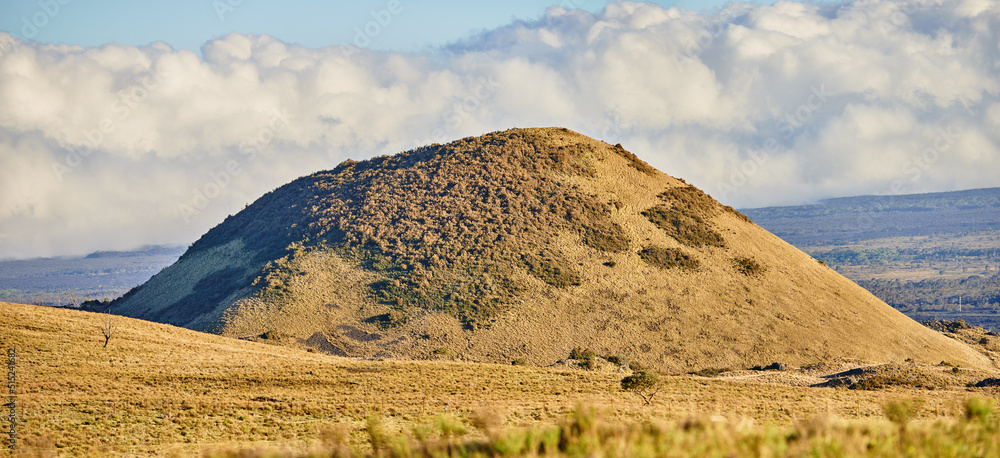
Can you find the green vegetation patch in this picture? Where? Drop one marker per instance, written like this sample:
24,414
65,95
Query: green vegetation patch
666,258
685,216
388,320
690,201
749,267
581,353
687,228
881,382
710,371
634,161
886,376
553,272
609,237
575,159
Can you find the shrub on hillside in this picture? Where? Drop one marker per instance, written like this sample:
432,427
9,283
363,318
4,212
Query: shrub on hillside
581,353
686,228
666,258
609,238
552,272
749,267
710,371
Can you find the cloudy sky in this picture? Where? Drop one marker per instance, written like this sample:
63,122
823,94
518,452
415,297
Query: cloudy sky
128,123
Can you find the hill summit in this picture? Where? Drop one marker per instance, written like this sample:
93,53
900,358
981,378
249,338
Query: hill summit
522,244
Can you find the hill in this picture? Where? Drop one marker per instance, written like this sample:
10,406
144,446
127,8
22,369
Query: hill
852,219
69,281
522,244
927,255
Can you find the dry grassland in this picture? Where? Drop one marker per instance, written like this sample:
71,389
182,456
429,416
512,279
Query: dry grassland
162,390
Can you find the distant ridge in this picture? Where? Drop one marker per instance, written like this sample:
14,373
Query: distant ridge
851,219
522,244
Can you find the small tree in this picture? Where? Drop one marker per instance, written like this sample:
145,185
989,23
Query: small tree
109,328
644,384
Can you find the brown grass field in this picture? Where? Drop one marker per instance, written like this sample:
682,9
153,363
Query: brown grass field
162,390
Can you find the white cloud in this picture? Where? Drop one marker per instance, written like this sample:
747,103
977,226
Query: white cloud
102,148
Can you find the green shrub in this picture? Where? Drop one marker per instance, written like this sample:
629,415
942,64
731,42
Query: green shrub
979,409
644,384
634,161
710,371
519,362
685,228
903,411
581,353
611,238
552,272
667,258
749,267
388,320
691,201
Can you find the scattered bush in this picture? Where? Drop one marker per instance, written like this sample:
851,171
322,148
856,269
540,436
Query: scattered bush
519,362
710,371
685,228
644,384
987,382
551,272
667,258
748,267
581,353
737,213
611,238
946,325
388,320
881,381
634,161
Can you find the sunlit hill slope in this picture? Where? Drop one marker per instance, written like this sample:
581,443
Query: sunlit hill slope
518,244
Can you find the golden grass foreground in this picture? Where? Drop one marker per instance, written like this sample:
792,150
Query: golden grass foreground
162,390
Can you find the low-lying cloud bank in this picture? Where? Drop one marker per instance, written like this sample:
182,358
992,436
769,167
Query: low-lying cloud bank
120,146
